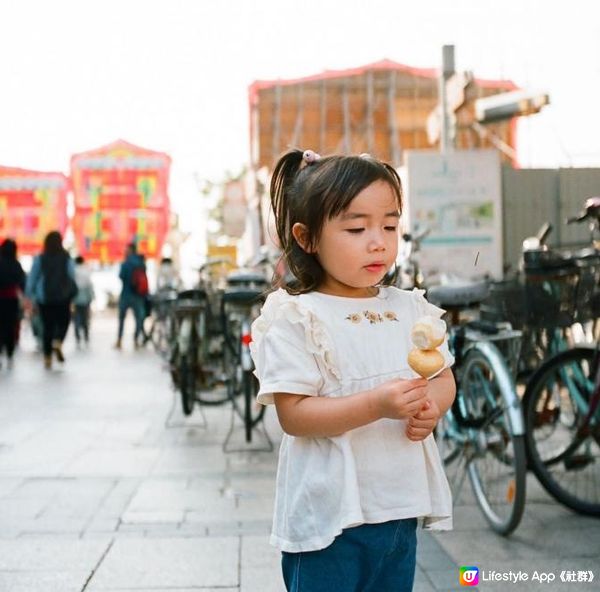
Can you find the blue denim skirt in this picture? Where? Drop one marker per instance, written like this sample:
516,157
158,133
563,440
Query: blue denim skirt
366,558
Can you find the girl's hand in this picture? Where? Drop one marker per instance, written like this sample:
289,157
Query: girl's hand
423,423
400,399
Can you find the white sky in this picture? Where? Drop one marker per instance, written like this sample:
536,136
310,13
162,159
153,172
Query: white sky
172,75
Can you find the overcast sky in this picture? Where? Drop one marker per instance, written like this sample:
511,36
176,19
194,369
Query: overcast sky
172,75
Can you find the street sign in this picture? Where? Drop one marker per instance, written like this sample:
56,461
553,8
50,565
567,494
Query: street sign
508,105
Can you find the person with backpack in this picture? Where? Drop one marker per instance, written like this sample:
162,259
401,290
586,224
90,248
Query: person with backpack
133,294
51,288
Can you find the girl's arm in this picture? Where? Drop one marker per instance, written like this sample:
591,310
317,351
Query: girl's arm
325,417
442,390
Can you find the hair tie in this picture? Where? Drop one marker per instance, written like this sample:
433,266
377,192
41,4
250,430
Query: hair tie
310,156
365,155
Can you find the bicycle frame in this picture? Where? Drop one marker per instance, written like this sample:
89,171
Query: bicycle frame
515,417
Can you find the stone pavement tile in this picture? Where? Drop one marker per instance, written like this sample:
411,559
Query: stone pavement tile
422,582
119,496
431,555
260,566
559,516
189,461
62,487
100,525
149,517
31,461
51,554
164,494
469,518
130,462
168,563
54,581
467,549
248,527
8,485
581,542
56,524
444,579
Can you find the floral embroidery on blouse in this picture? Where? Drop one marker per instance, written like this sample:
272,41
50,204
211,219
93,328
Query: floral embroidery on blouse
372,317
354,318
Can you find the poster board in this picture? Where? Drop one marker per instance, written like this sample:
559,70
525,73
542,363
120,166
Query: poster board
32,203
459,197
121,196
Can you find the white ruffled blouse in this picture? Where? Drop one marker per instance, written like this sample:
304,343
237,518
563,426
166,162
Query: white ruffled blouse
331,346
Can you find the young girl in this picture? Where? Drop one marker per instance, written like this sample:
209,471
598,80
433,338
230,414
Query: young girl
358,462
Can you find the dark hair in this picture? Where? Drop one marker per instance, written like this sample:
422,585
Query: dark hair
314,193
79,260
53,243
8,249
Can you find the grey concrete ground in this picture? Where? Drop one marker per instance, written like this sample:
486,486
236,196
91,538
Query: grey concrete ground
104,486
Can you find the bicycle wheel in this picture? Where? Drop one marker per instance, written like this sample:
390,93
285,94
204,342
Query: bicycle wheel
496,461
187,382
562,444
446,435
253,411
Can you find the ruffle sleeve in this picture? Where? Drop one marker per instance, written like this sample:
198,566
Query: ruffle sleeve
290,348
423,307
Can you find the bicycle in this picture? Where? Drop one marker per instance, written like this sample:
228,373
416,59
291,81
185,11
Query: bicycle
562,418
240,305
161,328
194,363
542,302
484,428
562,398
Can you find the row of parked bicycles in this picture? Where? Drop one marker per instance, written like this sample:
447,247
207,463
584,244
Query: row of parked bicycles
203,334
527,396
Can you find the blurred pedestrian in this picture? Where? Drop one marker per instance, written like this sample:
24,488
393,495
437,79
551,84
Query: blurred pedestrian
167,277
12,285
51,288
133,294
83,301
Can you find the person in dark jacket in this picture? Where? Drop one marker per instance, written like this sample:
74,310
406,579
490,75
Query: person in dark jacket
129,298
12,284
51,287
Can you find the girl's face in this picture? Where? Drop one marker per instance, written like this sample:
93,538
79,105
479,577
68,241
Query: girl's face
358,246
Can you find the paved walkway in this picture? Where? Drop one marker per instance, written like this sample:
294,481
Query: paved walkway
104,486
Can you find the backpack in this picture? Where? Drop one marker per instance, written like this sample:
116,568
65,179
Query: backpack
139,281
59,286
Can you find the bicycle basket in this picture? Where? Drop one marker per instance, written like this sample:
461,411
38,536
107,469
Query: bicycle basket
505,302
551,296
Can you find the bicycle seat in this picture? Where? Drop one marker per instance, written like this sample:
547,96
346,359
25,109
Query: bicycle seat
194,294
458,295
243,278
243,296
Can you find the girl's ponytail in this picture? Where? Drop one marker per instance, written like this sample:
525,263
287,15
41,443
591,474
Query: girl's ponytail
282,180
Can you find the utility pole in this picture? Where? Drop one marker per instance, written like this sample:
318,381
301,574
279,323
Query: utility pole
446,135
